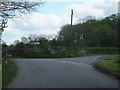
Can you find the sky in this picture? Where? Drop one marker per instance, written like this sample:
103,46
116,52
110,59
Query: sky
53,14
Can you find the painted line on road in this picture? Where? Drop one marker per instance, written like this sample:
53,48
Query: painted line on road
64,61
94,60
80,64
84,65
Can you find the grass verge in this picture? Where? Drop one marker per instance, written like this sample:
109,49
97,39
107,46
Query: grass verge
0,79
111,67
9,71
111,57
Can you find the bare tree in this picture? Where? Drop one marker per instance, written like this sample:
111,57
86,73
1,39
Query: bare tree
10,9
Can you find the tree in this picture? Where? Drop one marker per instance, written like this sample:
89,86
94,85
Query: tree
24,40
67,35
4,48
11,8
91,33
16,42
103,36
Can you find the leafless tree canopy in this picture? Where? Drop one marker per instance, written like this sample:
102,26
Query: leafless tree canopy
10,8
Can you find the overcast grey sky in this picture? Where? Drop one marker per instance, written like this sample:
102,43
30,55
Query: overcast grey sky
54,14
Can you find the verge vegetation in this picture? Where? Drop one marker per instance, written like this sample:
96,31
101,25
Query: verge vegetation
111,66
0,79
9,70
111,57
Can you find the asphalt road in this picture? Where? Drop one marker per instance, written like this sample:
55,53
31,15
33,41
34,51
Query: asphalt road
60,73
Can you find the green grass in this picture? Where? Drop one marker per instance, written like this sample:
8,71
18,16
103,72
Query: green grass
0,79
9,71
112,67
111,57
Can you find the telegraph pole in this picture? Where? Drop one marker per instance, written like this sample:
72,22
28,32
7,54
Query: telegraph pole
71,16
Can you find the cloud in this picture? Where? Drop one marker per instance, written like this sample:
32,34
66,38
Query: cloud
36,21
95,8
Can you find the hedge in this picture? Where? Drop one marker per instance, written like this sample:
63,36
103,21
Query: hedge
101,50
60,52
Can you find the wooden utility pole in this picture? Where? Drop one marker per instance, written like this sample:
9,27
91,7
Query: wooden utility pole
71,16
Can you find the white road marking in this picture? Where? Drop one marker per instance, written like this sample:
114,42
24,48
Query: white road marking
64,61
80,64
75,63
93,60
83,65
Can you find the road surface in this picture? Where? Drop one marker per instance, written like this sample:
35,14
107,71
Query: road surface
60,73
